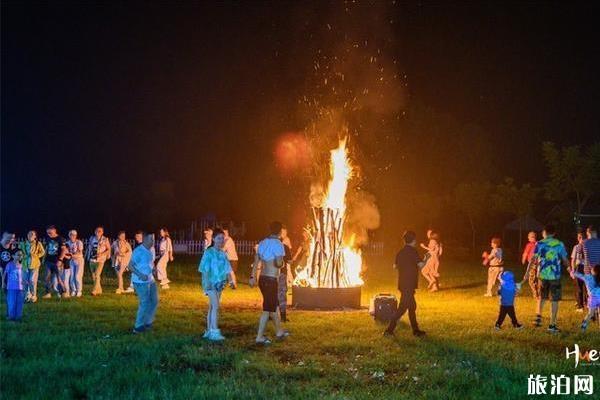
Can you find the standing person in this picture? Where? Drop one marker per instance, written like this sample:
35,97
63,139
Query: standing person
592,283
165,254
121,250
75,249
494,260
507,292
550,255
284,275
432,260
98,251
8,246
138,239
301,255
230,250
53,261
577,265
207,241
13,275
141,266
216,272
269,258
407,264
591,248
33,251
526,262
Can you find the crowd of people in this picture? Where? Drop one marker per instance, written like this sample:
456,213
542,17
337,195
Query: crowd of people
544,262
64,262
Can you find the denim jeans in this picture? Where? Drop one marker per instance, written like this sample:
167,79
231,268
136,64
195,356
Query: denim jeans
14,304
147,294
76,283
65,276
31,279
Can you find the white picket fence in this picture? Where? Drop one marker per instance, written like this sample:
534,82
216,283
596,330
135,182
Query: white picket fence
243,247
246,247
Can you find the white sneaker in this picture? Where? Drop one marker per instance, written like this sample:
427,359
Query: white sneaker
73,294
129,290
215,335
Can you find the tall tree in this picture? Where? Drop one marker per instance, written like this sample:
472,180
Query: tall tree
514,200
573,174
473,199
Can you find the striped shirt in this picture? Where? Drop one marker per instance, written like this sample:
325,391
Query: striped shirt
591,252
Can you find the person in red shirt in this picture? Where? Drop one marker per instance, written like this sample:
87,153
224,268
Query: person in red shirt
526,259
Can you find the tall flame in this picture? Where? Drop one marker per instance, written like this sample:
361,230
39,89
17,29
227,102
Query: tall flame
348,274
341,172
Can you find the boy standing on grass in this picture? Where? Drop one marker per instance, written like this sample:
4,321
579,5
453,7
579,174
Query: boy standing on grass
494,260
142,265
507,292
407,264
550,255
592,283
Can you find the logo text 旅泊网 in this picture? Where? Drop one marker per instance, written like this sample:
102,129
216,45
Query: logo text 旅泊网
589,356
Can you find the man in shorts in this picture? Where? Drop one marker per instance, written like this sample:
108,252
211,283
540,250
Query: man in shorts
269,260
550,255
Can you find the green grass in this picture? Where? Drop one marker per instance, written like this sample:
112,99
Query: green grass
82,348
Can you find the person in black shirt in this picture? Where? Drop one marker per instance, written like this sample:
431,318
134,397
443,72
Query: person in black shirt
53,261
407,264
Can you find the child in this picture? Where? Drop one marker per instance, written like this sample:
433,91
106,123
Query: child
507,292
592,282
494,261
13,274
432,260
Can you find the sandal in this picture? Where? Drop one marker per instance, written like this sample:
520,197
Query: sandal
265,342
283,335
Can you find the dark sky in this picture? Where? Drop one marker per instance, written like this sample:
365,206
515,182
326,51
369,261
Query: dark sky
107,108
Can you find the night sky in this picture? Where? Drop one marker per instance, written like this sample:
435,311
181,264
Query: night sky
142,115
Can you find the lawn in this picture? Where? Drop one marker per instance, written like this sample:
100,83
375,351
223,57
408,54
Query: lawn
83,348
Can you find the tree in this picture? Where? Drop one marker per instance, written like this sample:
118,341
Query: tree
514,200
472,199
573,175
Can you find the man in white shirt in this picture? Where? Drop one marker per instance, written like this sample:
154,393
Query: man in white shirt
141,266
229,249
269,258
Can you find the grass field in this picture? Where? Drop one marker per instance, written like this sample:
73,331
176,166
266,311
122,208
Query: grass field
83,348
